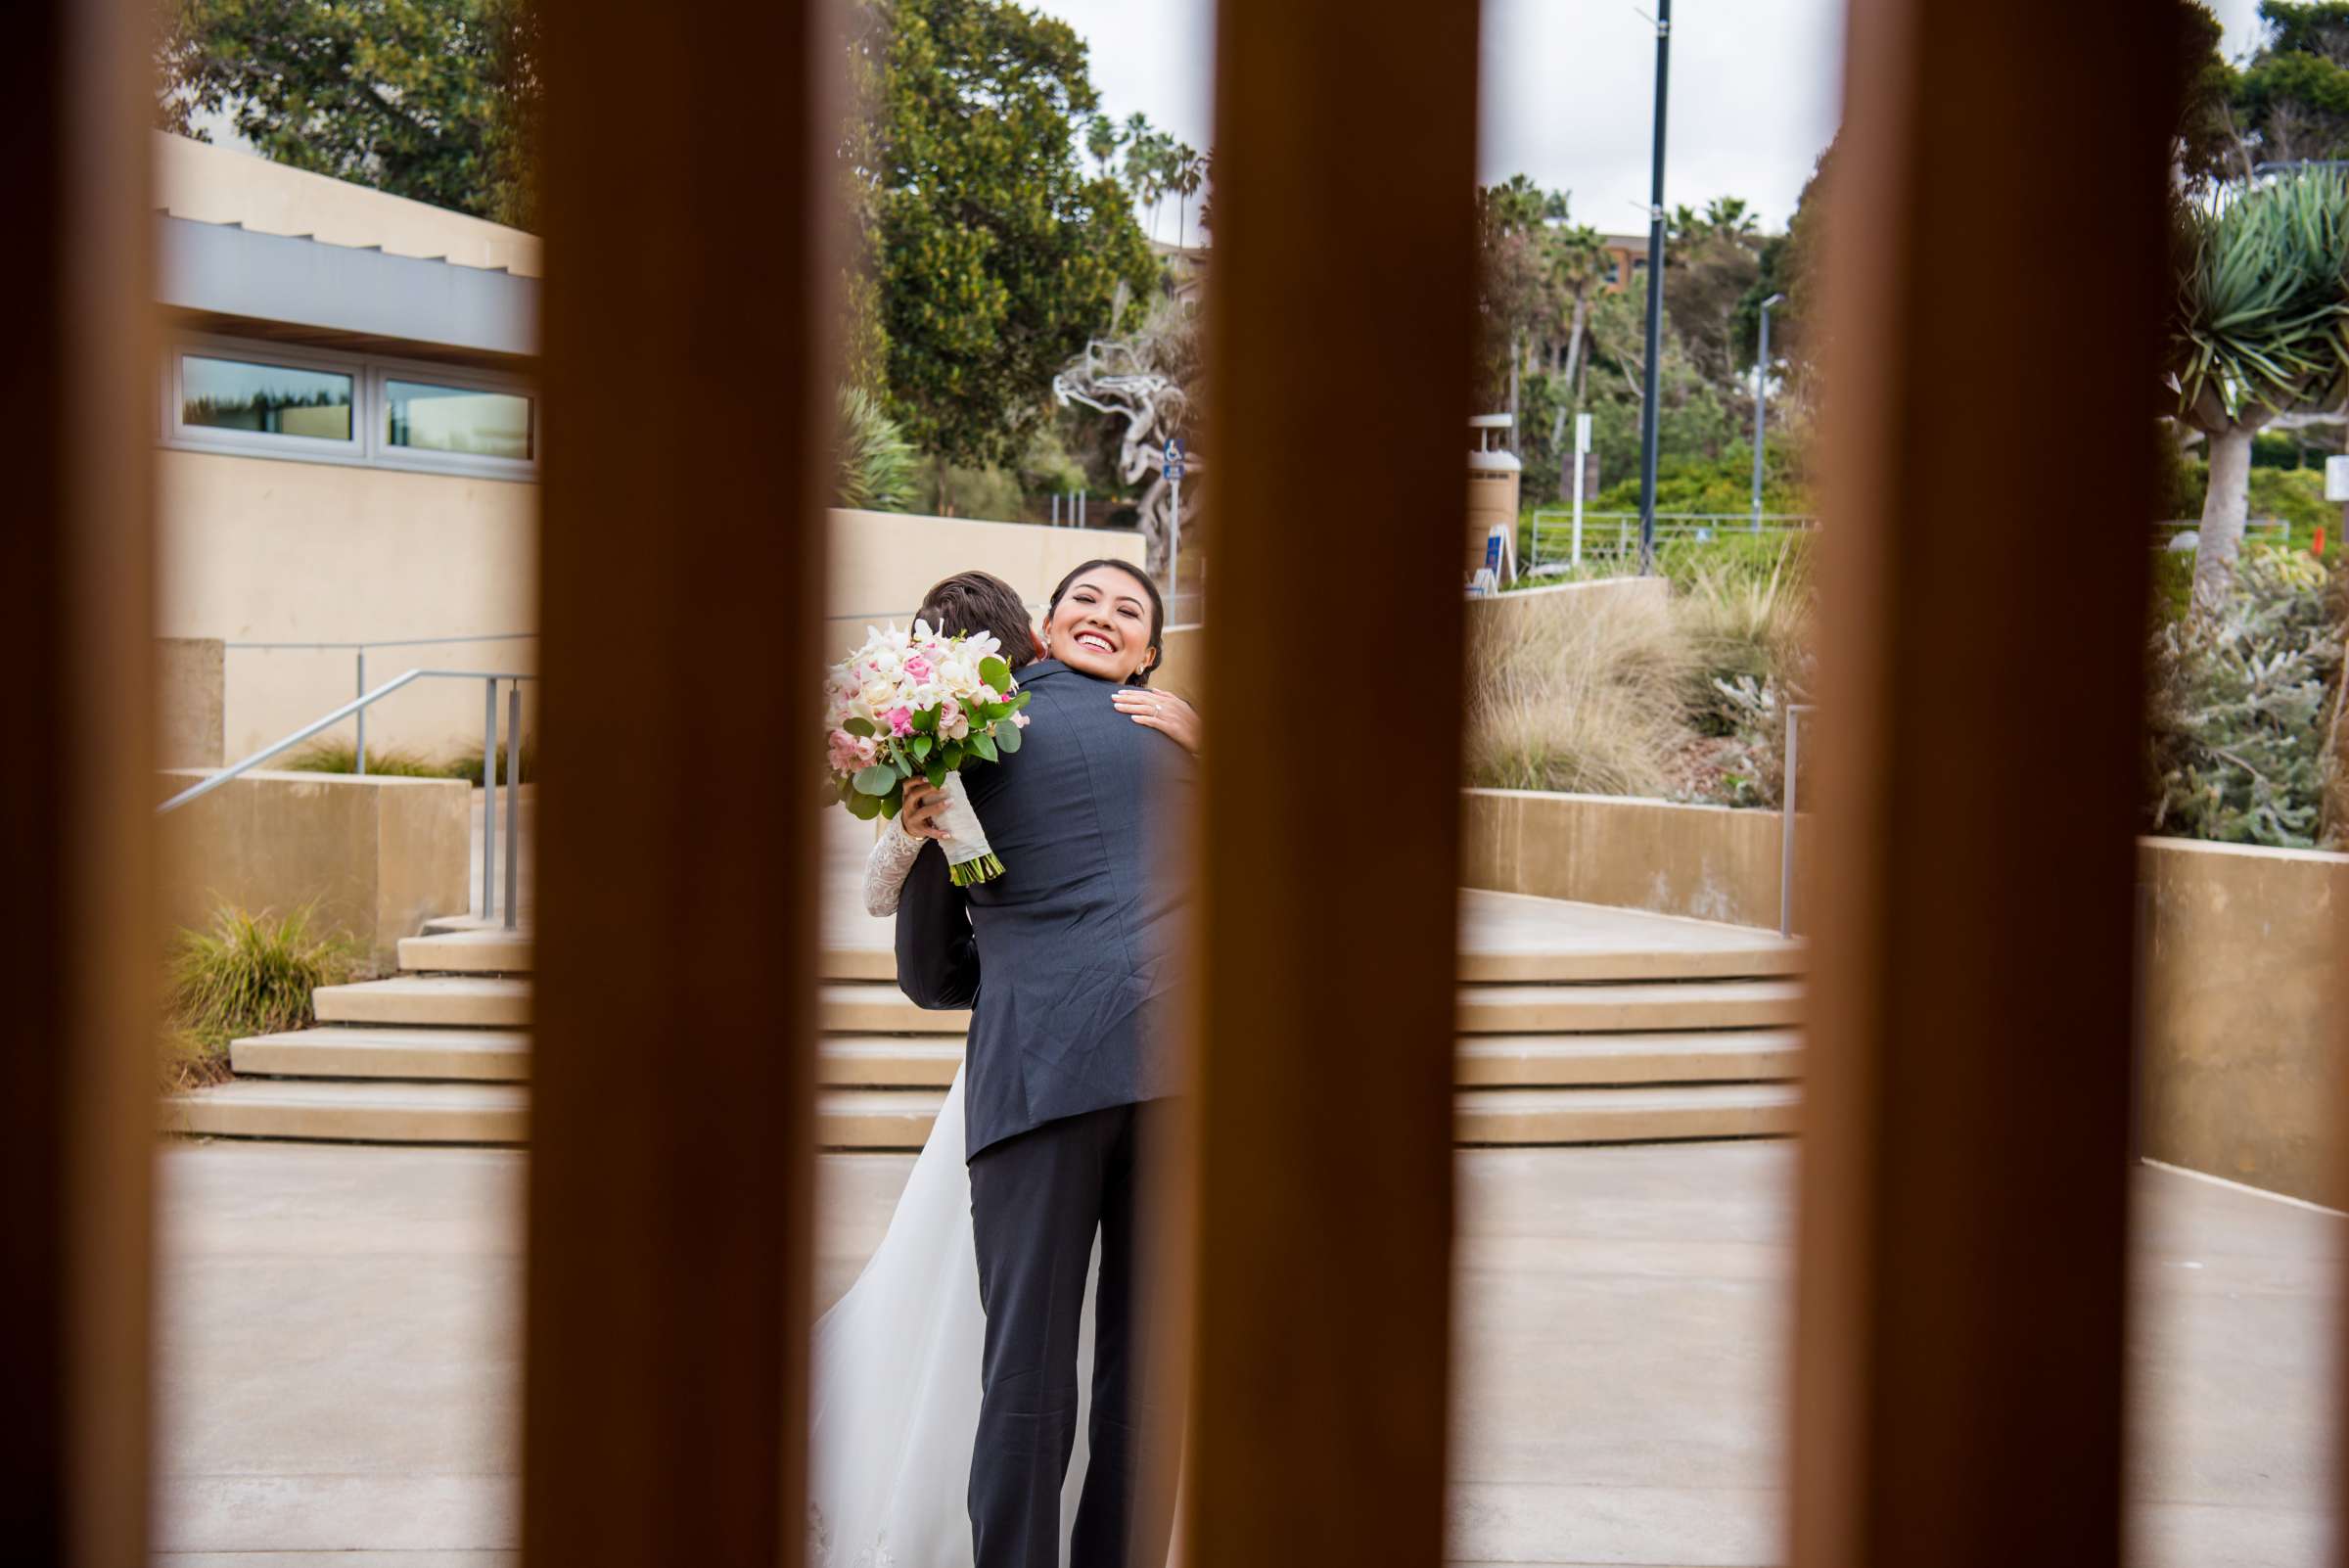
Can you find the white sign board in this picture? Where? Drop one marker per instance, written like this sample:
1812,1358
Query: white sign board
1582,433
2336,479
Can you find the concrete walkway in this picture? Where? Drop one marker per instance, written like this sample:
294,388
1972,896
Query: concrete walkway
340,1363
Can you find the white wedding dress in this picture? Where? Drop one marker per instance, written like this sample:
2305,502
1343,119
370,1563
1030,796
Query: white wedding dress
893,1377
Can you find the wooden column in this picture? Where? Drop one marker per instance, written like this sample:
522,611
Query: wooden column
1339,395
688,423
1963,1217
77,968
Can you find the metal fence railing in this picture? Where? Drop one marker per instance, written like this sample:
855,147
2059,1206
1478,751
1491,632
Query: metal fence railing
1560,542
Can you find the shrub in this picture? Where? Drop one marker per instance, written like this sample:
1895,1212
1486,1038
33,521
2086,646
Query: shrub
343,756
1590,703
465,763
2240,715
249,975
876,462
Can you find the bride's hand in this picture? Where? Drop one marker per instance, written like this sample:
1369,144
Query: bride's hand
1162,712
921,809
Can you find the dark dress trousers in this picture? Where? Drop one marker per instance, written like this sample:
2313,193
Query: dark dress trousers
1069,963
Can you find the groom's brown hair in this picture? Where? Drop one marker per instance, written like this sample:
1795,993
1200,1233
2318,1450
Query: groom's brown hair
979,601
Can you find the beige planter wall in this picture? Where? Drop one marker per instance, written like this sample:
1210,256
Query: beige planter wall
378,856
1704,861
1514,614
2242,1027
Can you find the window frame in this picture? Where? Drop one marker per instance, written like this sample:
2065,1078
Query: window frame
177,431
370,443
381,372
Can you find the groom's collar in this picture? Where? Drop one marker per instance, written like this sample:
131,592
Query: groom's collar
1038,670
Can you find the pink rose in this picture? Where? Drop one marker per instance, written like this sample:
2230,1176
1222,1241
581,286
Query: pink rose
918,668
900,721
867,749
844,756
948,711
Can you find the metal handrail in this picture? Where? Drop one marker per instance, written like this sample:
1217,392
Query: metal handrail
365,700
359,754
1787,791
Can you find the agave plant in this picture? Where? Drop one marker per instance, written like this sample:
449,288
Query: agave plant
876,463
2260,327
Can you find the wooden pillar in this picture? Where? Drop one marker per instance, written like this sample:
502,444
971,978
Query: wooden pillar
79,965
689,419
1324,1114
1963,1217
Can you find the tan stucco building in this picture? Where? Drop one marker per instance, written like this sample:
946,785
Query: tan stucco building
350,431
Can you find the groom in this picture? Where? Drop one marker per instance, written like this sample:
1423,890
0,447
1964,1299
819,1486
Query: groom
1066,1051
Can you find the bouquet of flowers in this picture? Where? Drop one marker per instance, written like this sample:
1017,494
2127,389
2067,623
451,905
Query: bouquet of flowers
916,704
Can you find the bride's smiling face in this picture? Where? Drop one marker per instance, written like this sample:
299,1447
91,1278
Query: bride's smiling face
1102,626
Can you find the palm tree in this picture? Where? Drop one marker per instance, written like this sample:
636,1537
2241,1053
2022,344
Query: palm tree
1190,172
1578,264
2259,327
1102,140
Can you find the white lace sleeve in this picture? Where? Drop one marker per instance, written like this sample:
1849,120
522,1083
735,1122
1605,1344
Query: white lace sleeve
886,867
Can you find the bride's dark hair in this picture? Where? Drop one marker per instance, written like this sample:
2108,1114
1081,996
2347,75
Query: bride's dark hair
1158,609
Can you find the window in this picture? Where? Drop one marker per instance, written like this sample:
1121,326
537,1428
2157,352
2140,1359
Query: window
426,417
265,400
271,401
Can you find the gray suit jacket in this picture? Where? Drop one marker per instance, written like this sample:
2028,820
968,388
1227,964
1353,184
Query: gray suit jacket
1070,959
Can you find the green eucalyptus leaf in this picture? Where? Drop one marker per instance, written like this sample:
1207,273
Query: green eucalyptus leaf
980,746
1007,737
879,779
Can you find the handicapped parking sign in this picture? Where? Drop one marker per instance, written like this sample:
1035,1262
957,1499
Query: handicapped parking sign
1173,463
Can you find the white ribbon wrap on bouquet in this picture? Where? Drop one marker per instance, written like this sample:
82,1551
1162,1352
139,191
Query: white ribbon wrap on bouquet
966,839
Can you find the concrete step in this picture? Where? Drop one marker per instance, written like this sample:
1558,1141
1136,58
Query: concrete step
468,952
1648,1007
1765,959
1625,1115
354,1112
479,1055
463,1002
1560,1060
889,1061
882,1009
875,1119
876,1008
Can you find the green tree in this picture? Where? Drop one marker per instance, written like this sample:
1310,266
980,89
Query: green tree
996,256
2292,99
2259,327
435,100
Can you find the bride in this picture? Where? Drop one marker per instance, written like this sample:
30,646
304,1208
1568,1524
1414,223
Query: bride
895,1374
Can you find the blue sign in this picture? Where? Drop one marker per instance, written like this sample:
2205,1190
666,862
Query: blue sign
1174,464
1493,554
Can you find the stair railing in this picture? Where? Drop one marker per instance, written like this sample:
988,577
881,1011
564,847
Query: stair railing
489,741
359,763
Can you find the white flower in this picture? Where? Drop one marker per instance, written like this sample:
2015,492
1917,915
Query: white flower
879,695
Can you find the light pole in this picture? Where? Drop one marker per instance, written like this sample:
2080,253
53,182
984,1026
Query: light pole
1761,397
1649,399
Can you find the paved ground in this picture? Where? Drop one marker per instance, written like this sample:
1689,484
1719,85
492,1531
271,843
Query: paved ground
340,1364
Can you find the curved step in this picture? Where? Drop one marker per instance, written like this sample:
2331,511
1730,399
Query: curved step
481,1055
1615,1008
882,1009
875,1119
1625,1115
1562,1060
474,1002
354,1112
468,952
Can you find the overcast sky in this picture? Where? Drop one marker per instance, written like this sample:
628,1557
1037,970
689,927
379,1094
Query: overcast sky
1568,90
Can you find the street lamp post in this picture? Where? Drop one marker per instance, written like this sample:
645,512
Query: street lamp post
1761,397
1649,400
